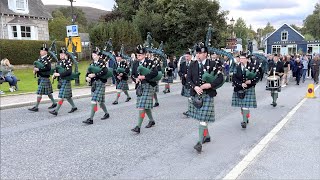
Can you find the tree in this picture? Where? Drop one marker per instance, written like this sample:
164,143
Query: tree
241,30
79,16
308,37
268,29
57,26
127,8
296,28
311,23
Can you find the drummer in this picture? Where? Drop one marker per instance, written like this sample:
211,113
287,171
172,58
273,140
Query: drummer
276,68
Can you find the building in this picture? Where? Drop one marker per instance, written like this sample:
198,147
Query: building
24,20
234,45
286,40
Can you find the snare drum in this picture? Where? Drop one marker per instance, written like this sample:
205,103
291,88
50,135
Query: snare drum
273,83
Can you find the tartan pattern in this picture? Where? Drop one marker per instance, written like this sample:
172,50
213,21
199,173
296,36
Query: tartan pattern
156,88
206,112
123,85
65,91
146,100
44,87
185,91
168,79
99,91
249,100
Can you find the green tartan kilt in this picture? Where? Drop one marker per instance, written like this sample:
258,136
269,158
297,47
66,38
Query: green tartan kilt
99,91
185,91
168,79
123,85
44,86
249,100
145,101
65,91
156,88
206,112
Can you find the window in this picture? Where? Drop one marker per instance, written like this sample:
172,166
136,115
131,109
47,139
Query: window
25,32
22,32
18,6
14,31
284,36
276,49
292,49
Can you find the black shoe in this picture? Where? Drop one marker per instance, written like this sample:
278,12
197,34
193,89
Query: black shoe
53,106
206,139
115,102
88,121
248,121
54,112
150,124
34,109
164,91
186,113
128,99
198,147
73,110
136,129
156,105
243,125
106,116
274,104
168,91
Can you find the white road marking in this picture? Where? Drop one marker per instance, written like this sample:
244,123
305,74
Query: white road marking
244,163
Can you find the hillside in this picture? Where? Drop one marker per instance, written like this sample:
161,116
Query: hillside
92,14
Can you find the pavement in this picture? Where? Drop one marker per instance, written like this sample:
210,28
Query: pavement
42,146
27,99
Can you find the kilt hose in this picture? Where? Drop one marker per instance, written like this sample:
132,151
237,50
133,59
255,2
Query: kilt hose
249,100
123,85
156,88
99,91
44,86
145,101
65,91
168,79
206,112
185,91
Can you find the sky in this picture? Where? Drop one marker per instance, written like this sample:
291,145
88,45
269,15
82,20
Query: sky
255,12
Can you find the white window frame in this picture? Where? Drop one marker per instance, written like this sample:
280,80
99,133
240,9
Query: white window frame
292,47
13,6
278,49
286,38
33,32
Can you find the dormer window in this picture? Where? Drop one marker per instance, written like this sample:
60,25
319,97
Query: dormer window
284,36
19,6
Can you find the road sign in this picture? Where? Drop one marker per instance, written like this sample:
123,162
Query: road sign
72,30
76,41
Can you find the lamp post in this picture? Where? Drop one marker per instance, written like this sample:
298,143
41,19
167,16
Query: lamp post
232,34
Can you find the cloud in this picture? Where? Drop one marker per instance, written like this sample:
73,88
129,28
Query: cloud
253,5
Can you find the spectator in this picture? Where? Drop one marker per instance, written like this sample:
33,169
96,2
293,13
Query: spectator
175,62
7,73
286,66
298,69
315,68
305,62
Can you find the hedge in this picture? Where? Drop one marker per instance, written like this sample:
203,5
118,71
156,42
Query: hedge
23,51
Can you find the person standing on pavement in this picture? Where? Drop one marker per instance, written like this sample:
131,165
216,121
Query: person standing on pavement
169,75
183,72
305,63
315,69
121,71
156,88
276,67
286,67
245,78
201,107
44,84
98,87
298,69
65,91
144,88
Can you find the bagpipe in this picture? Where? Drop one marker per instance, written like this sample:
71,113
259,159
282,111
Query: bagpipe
39,64
59,69
146,70
96,69
210,77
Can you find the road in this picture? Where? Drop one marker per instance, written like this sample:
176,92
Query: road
40,145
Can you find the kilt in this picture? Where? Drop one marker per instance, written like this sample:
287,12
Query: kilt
145,101
99,91
123,85
44,86
185,91
156,88
168,79
249,100
65,90
206,112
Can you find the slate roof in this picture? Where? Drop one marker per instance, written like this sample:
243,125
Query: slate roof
36,9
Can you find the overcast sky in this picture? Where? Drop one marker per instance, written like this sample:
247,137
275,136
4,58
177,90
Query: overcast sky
254,12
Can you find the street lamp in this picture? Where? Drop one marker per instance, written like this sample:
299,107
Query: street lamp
232,35
232,23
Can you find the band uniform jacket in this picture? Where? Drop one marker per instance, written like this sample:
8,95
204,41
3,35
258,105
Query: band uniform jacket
103,71
46,68
170,68
183,71
194,77
152,74
67,65
125,74
239,76
278,65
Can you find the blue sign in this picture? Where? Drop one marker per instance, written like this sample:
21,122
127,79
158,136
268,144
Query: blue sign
72,30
